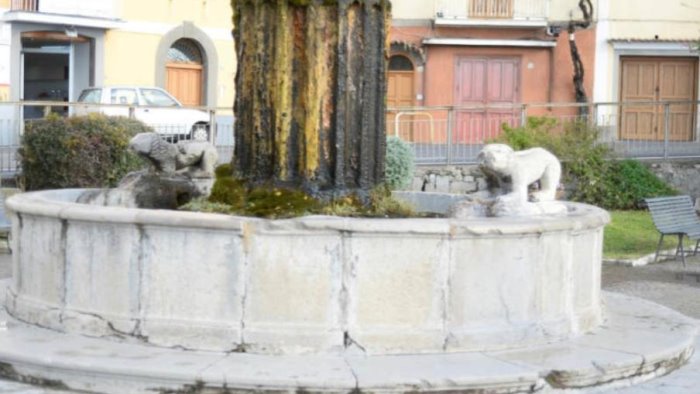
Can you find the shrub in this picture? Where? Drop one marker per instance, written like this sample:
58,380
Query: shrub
589,169
629,181
399,163
90,151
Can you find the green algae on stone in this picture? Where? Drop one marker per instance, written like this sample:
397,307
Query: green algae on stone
311,94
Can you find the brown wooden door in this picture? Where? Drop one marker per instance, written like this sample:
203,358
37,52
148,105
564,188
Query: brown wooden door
657,79
482,82
184,81
400,93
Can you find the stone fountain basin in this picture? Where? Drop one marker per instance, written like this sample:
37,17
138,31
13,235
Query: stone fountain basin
315,284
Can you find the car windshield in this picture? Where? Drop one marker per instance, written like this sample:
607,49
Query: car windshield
158,98
91,96
123,96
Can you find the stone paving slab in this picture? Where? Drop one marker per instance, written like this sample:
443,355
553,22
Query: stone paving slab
657,341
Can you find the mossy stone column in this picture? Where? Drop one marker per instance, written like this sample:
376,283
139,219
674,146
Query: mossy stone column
310,93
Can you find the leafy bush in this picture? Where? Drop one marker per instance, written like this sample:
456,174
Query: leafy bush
400,163
89,151
590,171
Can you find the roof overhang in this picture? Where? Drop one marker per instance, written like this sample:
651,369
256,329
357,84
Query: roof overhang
653,45
502,23
478,42
63,20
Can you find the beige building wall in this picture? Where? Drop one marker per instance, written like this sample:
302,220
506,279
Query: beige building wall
565,10
641,28
412,9
670,19
130,51
210,13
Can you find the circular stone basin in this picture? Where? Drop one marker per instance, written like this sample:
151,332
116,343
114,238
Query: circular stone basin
315,284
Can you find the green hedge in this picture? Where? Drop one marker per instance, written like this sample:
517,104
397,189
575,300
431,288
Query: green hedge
86,151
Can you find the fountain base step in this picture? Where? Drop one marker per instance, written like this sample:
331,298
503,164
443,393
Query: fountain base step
639,340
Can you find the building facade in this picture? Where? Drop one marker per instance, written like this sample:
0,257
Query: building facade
59,47
648,51
485,53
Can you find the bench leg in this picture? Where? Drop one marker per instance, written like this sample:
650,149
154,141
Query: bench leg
680,248
658,248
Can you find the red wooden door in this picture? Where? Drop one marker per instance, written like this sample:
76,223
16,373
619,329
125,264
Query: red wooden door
481,82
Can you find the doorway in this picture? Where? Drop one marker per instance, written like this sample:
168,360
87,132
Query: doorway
184,72
54,67
400,93
491,86
651,79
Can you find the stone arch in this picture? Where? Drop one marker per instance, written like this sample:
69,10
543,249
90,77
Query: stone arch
414,54
210,58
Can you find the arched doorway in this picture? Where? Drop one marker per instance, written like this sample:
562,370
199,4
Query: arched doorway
400,93
185,72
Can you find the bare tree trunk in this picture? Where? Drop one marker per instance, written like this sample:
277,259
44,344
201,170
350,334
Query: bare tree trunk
581,97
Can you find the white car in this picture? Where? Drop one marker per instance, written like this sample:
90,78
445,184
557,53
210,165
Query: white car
151,105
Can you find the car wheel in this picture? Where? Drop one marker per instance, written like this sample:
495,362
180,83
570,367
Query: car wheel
200,132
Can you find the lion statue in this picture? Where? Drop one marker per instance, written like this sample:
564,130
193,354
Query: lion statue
196,159
510,173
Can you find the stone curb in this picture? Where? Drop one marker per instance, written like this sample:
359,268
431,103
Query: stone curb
638,341
641,261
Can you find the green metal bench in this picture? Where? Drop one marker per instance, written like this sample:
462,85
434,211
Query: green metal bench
675,216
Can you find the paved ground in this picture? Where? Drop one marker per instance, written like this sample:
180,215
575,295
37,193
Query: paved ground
656,282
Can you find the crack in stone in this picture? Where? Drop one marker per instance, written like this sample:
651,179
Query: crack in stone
241,348
348,341
354,376
64,250
504,303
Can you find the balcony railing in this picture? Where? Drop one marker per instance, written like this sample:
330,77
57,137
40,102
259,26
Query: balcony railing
91,8
491,9
484,10
25,5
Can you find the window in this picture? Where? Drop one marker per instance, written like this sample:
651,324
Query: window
185,51
91,96
400,63
158,98
123,96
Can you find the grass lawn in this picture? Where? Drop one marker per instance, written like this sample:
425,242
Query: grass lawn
631,234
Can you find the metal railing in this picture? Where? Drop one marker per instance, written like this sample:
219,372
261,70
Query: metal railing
641,130
15,116
492,9
446,135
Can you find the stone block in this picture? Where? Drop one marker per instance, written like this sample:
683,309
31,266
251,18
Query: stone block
442,184
397,292
194,286
41,263
105,261
293,292
463,187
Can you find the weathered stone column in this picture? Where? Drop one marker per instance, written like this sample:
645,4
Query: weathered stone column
310,93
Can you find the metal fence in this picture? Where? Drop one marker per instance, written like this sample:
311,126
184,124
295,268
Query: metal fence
641,130
16,116
438,135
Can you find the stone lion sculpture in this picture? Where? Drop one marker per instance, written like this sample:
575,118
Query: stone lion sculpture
197,159
513,172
